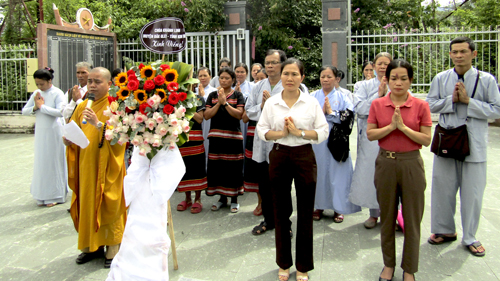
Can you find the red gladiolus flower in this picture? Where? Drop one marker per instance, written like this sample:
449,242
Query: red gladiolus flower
149,85
142,108
182,96
141,66
168,109
133,85
130,73
159,80
172,87
164,67
173,98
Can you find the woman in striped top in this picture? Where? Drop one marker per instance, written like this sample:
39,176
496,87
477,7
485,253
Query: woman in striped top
193,154
225,156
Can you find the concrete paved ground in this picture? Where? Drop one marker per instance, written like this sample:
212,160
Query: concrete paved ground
39,243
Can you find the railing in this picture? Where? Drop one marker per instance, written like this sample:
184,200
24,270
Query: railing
203,49
13,92
428,52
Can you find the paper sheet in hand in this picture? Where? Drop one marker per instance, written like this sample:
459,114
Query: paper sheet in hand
74,134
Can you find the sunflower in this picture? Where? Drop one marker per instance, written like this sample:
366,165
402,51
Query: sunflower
141,96
162,94
123,93
121,79
148,72
170,75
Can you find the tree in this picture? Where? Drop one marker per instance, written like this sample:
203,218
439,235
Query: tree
293,26
479,13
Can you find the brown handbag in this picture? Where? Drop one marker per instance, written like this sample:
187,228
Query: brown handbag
452,143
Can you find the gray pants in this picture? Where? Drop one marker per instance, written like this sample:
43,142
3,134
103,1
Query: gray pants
448,176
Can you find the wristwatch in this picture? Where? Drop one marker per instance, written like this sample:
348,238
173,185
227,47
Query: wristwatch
303,134
226,104
99,125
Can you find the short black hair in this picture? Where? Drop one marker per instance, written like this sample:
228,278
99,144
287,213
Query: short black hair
206,69
116,72
463,39
299,64
46,74
225,60
331,67
228,71
241,64
282,54
399,63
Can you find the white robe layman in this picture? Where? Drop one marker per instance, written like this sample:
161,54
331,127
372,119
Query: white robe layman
450,96
75,95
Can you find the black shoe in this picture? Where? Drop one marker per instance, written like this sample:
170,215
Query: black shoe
382,279
69,210
86,257
107,262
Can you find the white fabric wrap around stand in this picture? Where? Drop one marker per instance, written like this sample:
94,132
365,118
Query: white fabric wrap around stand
148,187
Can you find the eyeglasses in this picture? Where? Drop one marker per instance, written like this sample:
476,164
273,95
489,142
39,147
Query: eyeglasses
272,62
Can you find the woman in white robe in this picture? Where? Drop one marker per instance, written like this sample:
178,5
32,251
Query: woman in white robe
49,183
363,188
334,178
204,89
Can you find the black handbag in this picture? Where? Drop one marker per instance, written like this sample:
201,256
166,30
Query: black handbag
338,140
452,143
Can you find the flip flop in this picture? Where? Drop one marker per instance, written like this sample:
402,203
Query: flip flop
442,236
183,206
196,208
476,245
51,204
235,207
258,211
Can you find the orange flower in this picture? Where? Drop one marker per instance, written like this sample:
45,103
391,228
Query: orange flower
123,93
148,72
162,94
170,75
121,79
141,96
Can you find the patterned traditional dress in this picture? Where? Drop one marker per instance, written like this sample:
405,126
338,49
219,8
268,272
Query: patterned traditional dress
193,154
225,155
250,177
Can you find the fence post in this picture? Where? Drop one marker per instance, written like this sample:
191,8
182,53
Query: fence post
237,15
334,30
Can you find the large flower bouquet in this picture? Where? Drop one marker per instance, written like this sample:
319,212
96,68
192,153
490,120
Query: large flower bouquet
151,107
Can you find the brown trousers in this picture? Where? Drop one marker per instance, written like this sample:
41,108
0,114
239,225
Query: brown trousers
298,164
400,176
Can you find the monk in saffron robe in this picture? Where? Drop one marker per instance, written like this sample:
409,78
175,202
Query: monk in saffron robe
95,174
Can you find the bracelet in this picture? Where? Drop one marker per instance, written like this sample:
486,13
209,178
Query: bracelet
103,133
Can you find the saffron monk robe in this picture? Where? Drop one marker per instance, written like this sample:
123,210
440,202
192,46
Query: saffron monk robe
95,174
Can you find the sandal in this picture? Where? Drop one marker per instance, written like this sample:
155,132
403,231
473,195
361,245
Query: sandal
443,237
317,214
302,277
338,218
476,251
51,204
218,205
258,211
235,207
283,274
183,206
259,229
196,208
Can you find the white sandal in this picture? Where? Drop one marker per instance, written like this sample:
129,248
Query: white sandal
235,206
218,205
